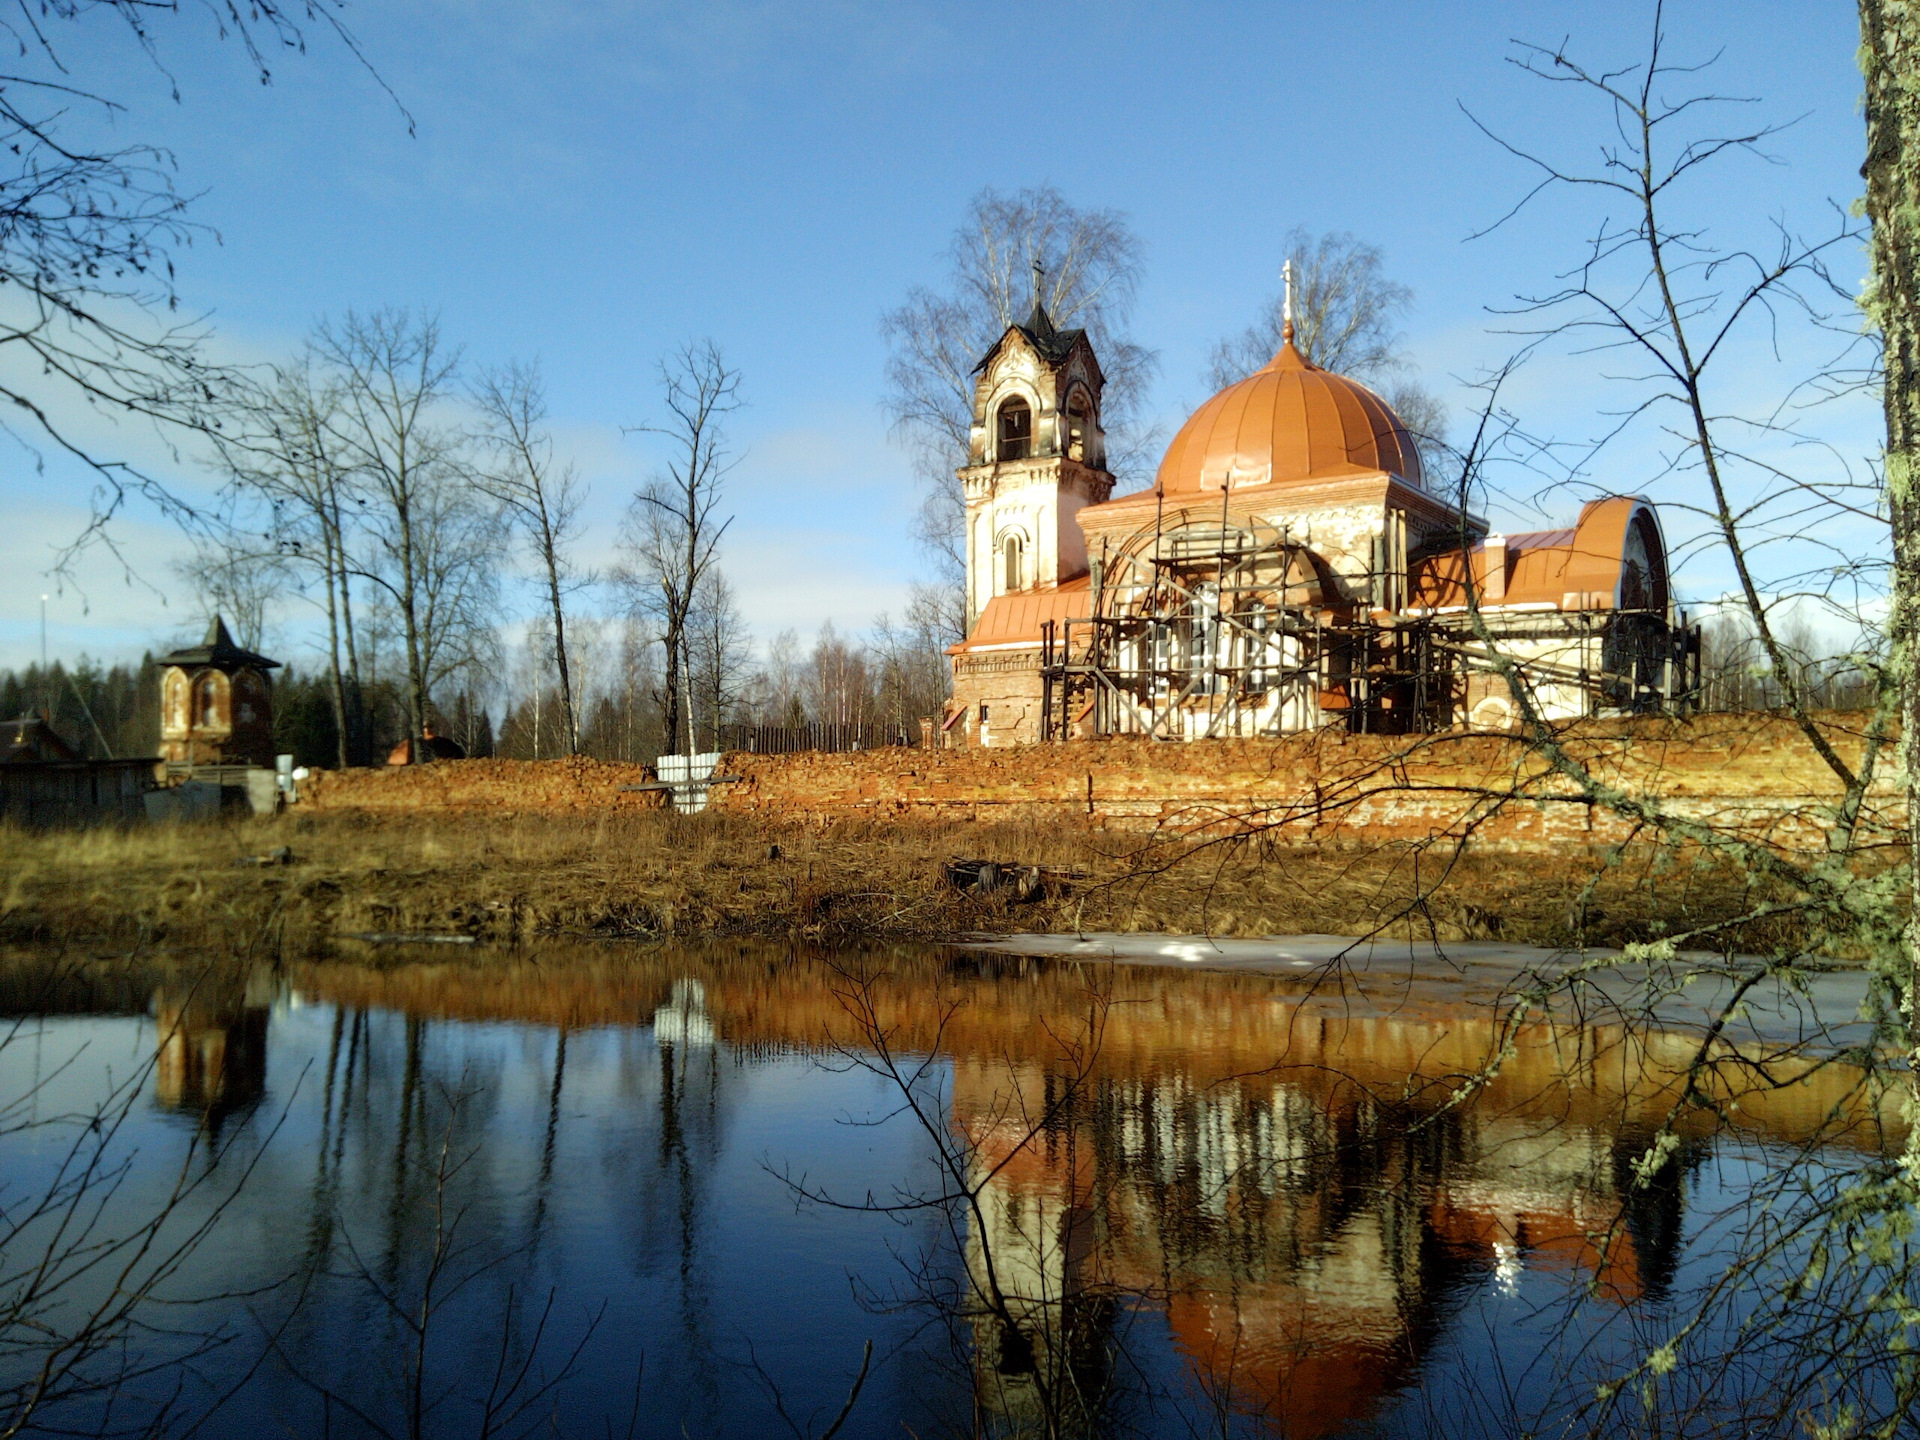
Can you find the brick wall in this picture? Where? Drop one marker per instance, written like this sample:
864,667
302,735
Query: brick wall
500,786
1007,683
1754,773
1758,774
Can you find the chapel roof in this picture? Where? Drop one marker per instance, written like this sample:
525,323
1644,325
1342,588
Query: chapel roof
218,652
1289,420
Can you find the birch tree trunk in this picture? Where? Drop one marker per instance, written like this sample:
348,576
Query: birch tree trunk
1890,58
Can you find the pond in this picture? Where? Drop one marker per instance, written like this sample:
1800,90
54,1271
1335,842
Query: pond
728,1190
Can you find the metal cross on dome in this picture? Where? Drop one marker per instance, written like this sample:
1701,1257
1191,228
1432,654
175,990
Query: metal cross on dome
1286,311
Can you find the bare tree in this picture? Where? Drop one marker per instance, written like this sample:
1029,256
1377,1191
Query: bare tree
437,540
673,527
1346,314
624,723
458,538
915,675
237,574
87,1281
1092,263
280,446
86,237
1809,1280
782,674
721,655
543,499
838,687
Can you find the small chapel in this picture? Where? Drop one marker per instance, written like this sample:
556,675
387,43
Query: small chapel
1290,568
216,704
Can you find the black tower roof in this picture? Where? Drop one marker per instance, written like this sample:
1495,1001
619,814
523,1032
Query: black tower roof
218,652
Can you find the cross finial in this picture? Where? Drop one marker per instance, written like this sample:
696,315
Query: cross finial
1286,311
1039,272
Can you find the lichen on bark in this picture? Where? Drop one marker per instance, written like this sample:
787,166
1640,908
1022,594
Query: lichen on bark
1890,65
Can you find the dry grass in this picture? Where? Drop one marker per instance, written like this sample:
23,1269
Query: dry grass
664,874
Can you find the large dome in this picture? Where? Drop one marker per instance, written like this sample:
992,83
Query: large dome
1289,420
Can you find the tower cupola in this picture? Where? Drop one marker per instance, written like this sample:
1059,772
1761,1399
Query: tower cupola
1037,456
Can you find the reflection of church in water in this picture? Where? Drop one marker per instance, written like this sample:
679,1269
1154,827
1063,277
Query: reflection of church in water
1302,1240
210,1039
1226,1162
1291,567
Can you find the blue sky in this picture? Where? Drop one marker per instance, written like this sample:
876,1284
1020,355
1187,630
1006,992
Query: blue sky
592,183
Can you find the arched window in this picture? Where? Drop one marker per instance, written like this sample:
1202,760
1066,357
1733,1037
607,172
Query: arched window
1079,413
206,702
1015,431
1257,648
1203,639
1642,575
1012,564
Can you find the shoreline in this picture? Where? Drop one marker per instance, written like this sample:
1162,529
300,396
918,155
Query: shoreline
1421,976
310,879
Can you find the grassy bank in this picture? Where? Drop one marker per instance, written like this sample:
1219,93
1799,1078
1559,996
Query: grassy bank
655,874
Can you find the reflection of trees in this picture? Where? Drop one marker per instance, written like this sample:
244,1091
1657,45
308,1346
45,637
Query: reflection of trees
404,1141
1304,1228
670,1179
1300,1191
93,1243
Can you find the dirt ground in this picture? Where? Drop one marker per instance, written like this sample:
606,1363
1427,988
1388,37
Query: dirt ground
656,874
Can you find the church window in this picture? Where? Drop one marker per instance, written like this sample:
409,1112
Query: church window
1015,430
1160,654
1640,578
207,703
1079,412
1012,562
1258,678
1203,632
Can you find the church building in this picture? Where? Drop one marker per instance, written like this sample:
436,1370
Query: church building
1290,568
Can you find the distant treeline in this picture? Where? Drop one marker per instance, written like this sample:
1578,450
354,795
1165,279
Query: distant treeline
867,696
114,712
103,713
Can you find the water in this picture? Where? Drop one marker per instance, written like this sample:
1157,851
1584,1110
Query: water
671,1192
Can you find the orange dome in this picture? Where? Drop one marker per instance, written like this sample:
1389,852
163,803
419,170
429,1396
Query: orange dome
1289,420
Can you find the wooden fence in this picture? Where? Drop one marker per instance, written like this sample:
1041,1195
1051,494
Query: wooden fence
47,794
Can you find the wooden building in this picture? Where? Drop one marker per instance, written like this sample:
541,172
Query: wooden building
216,704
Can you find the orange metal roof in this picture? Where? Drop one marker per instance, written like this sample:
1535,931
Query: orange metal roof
1577,568
1289,420
1017,618
1125,513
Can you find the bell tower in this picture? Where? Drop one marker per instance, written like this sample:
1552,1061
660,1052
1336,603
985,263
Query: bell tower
1036,457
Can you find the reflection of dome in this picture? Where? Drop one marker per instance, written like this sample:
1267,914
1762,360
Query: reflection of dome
1289,420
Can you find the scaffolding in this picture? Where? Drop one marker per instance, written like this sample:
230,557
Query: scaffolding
1240,630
